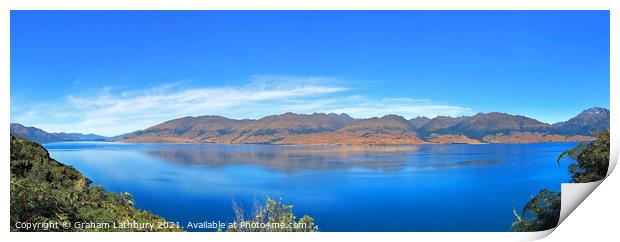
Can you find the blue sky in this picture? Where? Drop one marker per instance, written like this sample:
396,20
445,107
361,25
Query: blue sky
111,72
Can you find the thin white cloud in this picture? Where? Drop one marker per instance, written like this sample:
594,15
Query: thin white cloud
110,113
365,108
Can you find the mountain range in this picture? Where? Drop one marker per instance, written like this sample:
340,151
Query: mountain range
341,129
40,136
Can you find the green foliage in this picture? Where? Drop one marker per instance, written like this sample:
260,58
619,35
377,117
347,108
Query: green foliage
275,216
542,212
591,160
44,190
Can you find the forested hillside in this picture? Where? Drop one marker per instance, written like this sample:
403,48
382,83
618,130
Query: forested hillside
44,191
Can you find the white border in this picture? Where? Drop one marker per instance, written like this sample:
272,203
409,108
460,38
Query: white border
7,5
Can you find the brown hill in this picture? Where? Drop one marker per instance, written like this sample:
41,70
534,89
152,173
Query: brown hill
216,129
322,129
418,122
437,124
389,129
276,127
484,124
340,129
187,130
453,139
288,128
389,124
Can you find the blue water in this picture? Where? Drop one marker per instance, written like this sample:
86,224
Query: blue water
415,188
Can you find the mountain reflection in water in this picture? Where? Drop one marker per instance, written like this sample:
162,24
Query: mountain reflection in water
345,188
294,158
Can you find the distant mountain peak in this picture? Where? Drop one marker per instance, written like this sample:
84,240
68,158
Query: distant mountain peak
419,121
327,128
41,136
394,116
594,111
392,124
591,119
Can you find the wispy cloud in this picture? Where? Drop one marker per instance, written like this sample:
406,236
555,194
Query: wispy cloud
364,107
111,113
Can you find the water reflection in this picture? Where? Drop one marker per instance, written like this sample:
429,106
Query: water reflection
295,158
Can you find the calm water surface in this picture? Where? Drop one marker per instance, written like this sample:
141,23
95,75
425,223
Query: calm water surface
405,188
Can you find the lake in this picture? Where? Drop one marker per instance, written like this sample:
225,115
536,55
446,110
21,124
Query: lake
404,188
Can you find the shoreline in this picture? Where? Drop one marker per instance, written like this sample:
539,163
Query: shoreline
316,145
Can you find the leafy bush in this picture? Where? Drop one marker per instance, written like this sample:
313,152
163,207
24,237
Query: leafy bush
46,191
591,160
542,212
275,216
